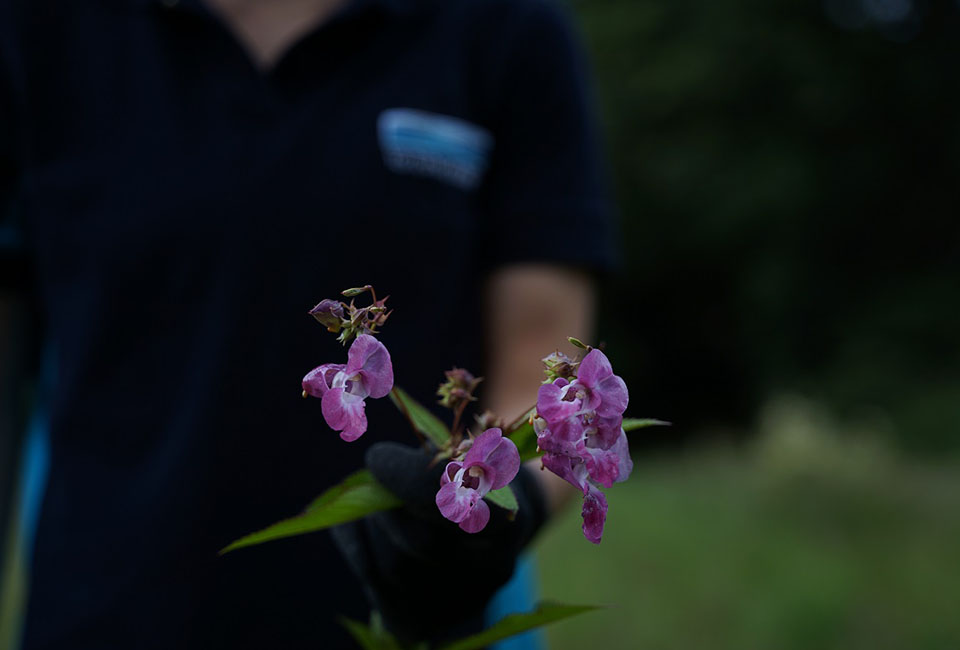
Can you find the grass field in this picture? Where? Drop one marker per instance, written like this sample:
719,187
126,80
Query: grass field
737,550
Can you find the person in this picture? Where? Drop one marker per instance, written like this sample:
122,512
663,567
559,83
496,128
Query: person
189,177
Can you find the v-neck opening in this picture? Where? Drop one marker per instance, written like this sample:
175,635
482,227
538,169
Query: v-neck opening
347,10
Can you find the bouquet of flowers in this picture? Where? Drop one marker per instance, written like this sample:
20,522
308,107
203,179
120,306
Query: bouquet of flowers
577,429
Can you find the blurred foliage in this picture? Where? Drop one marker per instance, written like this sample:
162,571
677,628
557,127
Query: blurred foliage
772,549
787,174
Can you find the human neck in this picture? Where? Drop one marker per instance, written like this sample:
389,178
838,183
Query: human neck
268,28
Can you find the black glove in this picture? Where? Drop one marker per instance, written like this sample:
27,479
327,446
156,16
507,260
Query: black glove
429,579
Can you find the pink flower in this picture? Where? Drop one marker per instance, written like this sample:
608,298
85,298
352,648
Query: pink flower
594,511
343,388
594,514
562,426
490,464
605,392
579,426
610,465
582,419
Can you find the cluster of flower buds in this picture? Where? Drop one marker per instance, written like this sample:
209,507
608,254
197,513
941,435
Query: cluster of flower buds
457,391
557,365
349,320
343,388
490,462
579,427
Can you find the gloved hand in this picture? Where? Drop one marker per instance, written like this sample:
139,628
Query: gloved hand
429,579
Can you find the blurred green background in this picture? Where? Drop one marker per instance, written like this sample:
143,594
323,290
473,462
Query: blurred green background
787,175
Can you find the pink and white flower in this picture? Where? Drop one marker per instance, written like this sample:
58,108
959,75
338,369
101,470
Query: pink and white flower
579,427
490,464
343,388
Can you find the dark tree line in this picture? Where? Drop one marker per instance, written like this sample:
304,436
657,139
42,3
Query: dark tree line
788,176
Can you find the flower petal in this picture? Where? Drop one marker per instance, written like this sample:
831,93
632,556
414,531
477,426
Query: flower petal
487,479
610,465
505,462
450,471
369,358
594,368
622,449
455,502
571,470
613,396
608,432
344,413
562,437
609,396
594,515
603,466
478,517
317,382
550,403
482,445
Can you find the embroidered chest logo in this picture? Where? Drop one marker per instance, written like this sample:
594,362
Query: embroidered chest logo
438,146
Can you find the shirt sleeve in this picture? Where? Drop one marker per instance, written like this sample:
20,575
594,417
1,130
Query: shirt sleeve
546,193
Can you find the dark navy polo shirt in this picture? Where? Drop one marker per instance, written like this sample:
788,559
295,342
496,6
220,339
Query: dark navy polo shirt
180,211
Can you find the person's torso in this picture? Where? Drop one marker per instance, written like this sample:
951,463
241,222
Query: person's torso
185,211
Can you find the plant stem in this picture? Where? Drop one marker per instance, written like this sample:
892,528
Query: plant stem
519,422
455,429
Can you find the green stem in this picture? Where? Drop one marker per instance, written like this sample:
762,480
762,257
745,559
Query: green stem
519,422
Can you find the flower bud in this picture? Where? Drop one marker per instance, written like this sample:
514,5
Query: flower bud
559,365
329,313
356,291
362,320
458,389
577,343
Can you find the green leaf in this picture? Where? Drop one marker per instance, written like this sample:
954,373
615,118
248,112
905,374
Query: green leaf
357,496
547,612
370,637
504,497
526,441
420,418
629,424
